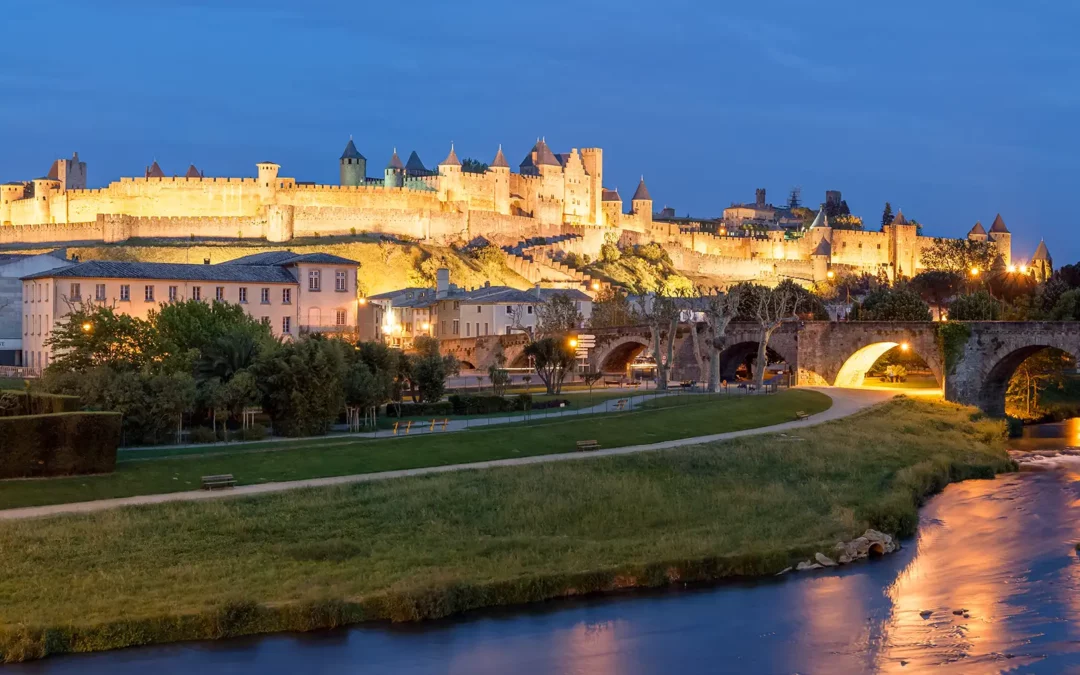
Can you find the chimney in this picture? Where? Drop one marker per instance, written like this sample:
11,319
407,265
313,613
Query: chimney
487,284
537,291
761,198
442,282
206,261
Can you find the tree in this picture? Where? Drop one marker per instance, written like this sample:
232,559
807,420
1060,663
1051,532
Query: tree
661,314
553,359
92,336
959,255
846,222
1041,371
191,334
471,165
887,216
558,316
717,309
430,369
937,287
372,369
611,308
497,373
302,384
978,306
1067,306
772,307
900,303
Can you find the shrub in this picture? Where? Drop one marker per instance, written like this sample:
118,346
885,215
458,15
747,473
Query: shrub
1014,427
419,409
58,444
255,432
524,401
465,404
18,403
203,435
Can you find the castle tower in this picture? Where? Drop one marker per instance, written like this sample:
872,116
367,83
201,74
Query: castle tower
450,179
1042,265
820,260
192,172
1000,235
44,189
977,233
500,171
71,173
353,166
611,205
641,202
593,158
759,198
903,246
395,172
9,192
154,171
267,181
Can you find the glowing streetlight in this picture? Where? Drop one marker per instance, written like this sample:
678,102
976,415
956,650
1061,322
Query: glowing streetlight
363,301
1012,268
830,274
427,325
904,347
573,342
596,285
974,271
86,327
1023,269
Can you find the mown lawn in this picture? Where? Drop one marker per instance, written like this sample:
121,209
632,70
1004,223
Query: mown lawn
430,546
664,419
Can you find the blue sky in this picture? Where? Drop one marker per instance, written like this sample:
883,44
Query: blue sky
952,110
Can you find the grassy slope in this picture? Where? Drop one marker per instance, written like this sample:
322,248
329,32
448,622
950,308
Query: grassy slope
430,546
383,266
670,418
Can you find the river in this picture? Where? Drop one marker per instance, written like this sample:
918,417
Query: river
998,552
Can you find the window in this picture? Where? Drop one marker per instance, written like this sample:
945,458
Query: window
286,296
99,292
286,324
243,295
264,296
125,292
172,293
509,309
485,328
457,304
456,327
478,309
528,309
314,280
196,292
76,293
468,326
219,294
341,281
341,317
148,293
26,324
477,330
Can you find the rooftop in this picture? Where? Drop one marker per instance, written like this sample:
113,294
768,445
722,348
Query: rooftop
112,269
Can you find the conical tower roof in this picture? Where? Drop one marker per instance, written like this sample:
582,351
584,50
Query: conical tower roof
820,220
642,192
977,229
451,159
900,219
395,162
500,159
1041,253
610,195
414,163
155,171
999,225
823,248
192,172
351,152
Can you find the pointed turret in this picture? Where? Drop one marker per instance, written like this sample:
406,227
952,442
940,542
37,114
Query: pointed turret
395,161
1041,252
451,159
414,165
1042,265
900,219
192,172
500,160
642,192
154,171
611,195
394,174
820,220
823,248
977,229
999,225
351,152
352,166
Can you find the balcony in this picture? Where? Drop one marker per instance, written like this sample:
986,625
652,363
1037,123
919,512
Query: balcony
306,329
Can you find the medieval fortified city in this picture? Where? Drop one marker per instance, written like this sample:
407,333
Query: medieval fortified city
610,409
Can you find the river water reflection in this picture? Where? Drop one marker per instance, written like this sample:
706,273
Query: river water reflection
999,552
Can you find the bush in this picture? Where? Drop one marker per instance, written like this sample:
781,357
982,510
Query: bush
18,403
1014,427
524,401
255,432
442,408
203,435
58,444
465,404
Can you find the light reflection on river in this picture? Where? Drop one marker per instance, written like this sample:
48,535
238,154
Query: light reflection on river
1001,549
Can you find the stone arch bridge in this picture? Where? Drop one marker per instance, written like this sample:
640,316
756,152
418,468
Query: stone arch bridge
982,354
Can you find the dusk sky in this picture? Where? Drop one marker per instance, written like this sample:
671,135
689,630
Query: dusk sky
953,111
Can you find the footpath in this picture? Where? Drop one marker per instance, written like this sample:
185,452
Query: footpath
846,402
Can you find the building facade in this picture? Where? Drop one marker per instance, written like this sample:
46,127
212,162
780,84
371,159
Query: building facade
292,294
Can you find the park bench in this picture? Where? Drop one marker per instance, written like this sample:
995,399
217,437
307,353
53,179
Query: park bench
800,415
621,404
687,384
588,445
633,383
444,422
224,480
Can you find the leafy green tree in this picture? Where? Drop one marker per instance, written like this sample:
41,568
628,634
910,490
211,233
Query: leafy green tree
610,253
192,333
497,373
553,359
978,306
429,369
372,373
887,215
612,307
231,352
470,165
558,316
1067,306
92,336
301,382
1043,370
900,303
937,287
959,255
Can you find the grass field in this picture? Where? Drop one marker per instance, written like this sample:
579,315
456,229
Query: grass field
158,471
430,546
576,400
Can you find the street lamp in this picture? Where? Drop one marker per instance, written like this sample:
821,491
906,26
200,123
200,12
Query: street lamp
86,327
427,325
1023,269
1012,268
974,271
573,343
596,285
904,347
830,274
363,301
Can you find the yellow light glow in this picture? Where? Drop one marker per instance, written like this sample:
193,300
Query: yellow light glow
1012,268
86,327
427,325
974,271
1023,269
573,342
904,347
830,274
596,285
363,301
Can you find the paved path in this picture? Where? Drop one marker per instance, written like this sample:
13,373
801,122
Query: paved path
845,402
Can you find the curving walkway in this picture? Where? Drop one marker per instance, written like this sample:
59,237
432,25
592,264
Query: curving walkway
845,402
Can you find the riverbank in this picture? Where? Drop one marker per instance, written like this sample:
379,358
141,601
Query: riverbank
431,546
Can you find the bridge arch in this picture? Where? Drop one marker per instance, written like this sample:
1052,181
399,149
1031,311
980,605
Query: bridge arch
734,355
853,372
617,354
839,354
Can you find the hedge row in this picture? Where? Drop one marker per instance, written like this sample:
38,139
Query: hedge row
59,444
474,404
14,403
